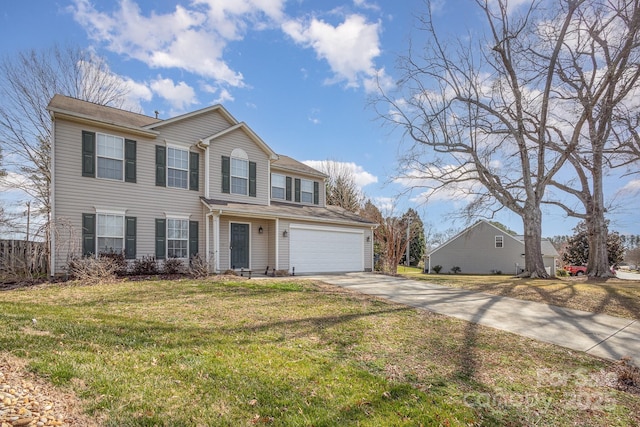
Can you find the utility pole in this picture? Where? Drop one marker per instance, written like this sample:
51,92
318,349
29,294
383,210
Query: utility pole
28,219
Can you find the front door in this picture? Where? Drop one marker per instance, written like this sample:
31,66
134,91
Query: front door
239,245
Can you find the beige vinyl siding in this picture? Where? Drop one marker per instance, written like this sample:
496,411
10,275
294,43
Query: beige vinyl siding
75,194
321,187
193,129
368,250
223,146
283,255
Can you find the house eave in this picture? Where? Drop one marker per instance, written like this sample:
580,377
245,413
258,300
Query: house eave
82,119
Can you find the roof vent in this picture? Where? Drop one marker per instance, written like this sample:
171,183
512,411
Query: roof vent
157,112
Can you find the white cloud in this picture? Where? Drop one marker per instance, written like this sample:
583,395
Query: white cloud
180,95
349,48
631,187
191,39
361,177
386,205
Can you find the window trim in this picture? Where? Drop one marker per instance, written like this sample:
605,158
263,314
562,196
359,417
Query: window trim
303,192
185,219
500,239
98,156
231,176
187,170
115,213
284,188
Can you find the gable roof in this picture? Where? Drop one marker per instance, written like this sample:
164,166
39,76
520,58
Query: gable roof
85,111
546,246
287,163
250,133
218,108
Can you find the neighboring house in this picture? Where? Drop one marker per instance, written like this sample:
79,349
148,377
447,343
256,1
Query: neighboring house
484,248
200,183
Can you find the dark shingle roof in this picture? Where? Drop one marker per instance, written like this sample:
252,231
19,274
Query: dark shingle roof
287,163
332,214
66,104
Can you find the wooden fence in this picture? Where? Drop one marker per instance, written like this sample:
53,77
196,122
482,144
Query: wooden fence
23,259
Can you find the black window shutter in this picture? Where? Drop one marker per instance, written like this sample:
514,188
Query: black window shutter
194,171
88,234
161,166
161,238
252,179
88,154
130,237
193,238
316,192
288,190
297,181
129,160
226,174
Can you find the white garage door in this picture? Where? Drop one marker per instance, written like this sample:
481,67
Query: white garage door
316,249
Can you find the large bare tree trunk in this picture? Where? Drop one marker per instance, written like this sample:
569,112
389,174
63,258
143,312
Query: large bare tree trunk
534,263
598,264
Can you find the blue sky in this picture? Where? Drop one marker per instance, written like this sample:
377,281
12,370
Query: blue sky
300,73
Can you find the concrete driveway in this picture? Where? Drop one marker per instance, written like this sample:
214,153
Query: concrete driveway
596,334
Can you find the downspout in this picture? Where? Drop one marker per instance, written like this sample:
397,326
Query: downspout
204,145
52,216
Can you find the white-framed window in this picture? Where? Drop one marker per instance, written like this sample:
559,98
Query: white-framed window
177,238
110,156
499,241
306,191
239,176
110,233
177,167
278,186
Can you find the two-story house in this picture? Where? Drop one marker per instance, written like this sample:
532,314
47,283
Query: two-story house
200,183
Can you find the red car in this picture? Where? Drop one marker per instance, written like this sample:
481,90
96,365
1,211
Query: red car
576,270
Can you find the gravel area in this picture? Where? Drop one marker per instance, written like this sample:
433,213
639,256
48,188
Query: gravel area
26,400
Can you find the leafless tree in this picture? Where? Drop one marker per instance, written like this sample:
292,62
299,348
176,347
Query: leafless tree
478,112
341,186
390,237
599,75
28,81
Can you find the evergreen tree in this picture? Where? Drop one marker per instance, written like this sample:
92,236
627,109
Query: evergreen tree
577,251
417,242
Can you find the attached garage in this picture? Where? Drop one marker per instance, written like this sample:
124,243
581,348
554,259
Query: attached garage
318,249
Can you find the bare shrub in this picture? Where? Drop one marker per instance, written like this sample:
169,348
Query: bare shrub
92,270
198,267
118,260
146,265
281,273
173,266
230,273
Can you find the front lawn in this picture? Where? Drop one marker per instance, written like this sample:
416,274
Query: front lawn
614,296
293,353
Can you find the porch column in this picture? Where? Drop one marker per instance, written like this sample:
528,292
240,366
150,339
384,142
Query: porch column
216,242
277,266
207,240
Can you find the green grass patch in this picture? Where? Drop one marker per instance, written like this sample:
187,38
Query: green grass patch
292,353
